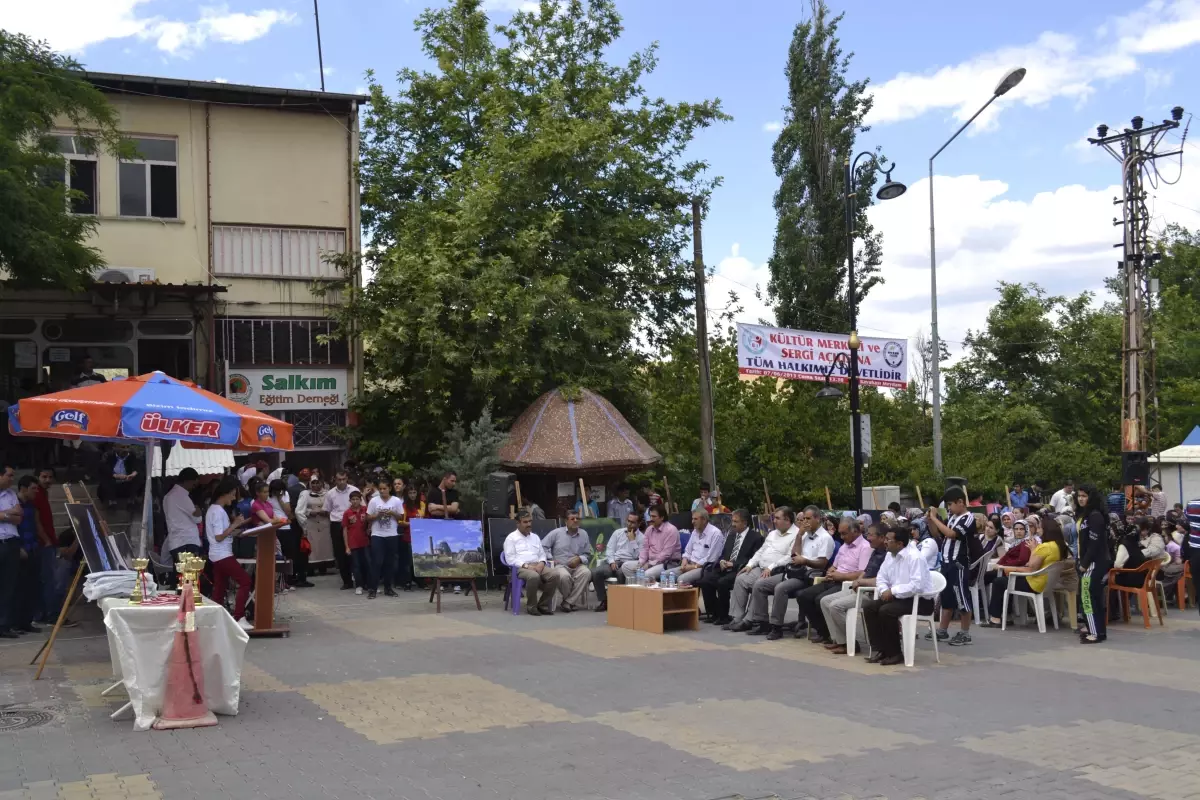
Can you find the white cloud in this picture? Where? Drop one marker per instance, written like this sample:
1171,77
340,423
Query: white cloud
1059,66
1061,239
220,80
746,280
511,5
73,25
772,127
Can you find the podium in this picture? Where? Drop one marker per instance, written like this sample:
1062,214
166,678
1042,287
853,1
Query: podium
264,587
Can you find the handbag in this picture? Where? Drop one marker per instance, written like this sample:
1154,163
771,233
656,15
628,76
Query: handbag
305,545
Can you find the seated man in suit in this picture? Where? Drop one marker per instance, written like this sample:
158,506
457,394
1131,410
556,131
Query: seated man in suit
623,546
835,605
703,548
775,553
717,581
904,573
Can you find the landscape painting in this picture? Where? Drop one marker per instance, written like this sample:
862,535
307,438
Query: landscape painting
448,548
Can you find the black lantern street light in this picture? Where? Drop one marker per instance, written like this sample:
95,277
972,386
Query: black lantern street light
889,191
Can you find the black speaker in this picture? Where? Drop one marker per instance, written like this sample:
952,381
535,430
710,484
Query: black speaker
501,493
1135,468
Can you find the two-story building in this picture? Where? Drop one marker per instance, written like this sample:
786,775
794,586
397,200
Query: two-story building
213,238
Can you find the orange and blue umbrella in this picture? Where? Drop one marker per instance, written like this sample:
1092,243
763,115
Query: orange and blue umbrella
147,408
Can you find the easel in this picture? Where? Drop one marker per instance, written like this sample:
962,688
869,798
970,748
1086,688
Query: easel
264,587
437,591
68,603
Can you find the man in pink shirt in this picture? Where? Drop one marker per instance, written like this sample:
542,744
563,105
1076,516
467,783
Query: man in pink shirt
660,550
848,565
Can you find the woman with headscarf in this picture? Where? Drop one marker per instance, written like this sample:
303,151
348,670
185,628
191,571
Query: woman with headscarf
1006,527
1094,560
1035,529
1067,523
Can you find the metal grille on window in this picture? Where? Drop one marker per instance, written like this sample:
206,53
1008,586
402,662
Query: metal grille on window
276,341
316,428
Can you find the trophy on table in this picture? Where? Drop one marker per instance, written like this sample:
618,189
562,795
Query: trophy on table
137,596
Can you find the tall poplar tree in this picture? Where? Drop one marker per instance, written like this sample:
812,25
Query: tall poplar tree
825,112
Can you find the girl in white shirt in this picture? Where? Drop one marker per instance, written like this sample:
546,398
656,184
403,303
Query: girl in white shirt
383,512
220,530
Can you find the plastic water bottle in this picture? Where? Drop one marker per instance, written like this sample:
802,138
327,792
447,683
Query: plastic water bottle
673,581
641,577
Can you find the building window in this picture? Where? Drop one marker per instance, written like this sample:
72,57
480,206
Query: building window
78,172
246,342
149,185
315,428
261,252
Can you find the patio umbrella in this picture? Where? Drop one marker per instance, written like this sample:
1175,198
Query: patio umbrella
147,409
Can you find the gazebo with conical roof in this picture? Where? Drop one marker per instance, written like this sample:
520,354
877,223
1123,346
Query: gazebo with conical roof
567,434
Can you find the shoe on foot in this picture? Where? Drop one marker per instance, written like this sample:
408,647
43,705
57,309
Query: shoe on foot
601,607
390,593
761,629
960,638
29,629
245,625
545,612
533,612
305,585
838,650
358,590
566,608
775,634
875,657
371,595
70,623
941,634
6,634
891,661
458,590
740,627
346,586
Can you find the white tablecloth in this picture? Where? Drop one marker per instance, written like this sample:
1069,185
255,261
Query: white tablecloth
140,640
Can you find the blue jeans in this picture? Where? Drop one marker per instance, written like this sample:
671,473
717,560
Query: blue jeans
48,604
360,562
383,560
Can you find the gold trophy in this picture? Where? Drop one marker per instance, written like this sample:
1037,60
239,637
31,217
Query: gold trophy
135,597
195,567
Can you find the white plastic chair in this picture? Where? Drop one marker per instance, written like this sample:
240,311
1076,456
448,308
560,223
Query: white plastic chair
909,622
979,589
1036,598
852,615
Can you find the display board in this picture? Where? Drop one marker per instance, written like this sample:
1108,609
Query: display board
448,548
99,550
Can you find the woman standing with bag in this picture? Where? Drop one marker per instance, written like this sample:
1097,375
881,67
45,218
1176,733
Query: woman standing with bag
312,518
1094,561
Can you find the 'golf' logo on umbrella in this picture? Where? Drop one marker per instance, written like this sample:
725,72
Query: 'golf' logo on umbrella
266,432
157,423
69,418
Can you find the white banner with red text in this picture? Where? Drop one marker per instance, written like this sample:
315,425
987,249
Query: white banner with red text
810,355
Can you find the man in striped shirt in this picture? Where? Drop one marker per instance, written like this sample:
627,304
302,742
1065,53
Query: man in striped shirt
960,538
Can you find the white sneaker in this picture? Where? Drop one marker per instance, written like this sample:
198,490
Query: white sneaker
358,590
246,626
458,590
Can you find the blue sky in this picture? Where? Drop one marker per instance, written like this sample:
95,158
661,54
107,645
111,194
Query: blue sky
1019,197
459,534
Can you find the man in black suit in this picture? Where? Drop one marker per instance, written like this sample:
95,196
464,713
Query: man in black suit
717,581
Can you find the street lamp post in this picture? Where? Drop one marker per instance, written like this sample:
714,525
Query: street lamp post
888,191
1008,82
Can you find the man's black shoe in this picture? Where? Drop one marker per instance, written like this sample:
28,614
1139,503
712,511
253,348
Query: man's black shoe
346,586
29,629
741,627
775,634
762,629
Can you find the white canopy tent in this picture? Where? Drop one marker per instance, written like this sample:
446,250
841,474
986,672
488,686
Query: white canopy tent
205,462
1181,469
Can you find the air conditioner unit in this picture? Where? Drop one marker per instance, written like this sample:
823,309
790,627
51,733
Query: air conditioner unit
123,275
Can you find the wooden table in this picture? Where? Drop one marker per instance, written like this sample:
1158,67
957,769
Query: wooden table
642,608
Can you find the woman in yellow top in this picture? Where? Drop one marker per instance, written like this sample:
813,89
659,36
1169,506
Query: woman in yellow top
1053,548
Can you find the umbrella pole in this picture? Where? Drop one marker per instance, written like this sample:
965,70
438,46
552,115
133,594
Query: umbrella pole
147,499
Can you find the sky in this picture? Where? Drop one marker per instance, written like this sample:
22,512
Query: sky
1020,196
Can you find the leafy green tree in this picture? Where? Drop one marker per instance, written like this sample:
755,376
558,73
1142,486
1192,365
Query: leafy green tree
41,243
528,206
471,455
825,112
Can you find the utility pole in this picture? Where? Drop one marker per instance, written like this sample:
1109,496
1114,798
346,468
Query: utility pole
320,57
1137,148
708,469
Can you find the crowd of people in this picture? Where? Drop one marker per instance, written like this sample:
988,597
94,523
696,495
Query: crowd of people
747,580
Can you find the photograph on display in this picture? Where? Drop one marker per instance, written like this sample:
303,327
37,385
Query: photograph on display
448,548
97,549
120,545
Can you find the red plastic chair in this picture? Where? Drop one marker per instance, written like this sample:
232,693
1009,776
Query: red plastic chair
1144,592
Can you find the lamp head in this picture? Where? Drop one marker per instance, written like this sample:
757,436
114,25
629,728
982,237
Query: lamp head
1009,81
829,393
890,189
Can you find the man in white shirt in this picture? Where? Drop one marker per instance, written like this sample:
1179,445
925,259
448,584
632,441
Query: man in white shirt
904,573
775,552
703,548
249,471
523,549
183,525
10,552
811,552
1061,500
337,501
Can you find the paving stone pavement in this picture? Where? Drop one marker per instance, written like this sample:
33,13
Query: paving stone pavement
386,699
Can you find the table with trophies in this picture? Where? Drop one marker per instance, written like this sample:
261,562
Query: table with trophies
141,633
